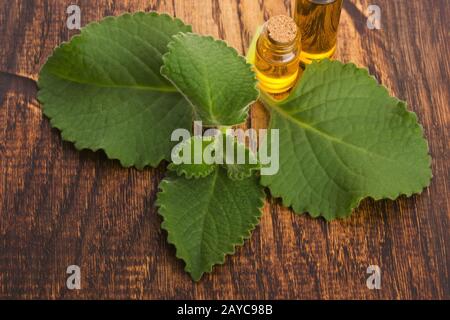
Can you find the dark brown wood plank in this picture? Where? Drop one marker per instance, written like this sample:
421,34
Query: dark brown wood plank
59,206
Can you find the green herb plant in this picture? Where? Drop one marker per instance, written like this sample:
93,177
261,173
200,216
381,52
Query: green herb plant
124,84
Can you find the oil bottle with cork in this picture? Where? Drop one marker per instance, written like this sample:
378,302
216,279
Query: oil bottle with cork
285,46
277,55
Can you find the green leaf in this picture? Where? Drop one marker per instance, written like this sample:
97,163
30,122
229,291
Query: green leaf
242,162
218,82
343,138
188,165
104,89
223,214
190,161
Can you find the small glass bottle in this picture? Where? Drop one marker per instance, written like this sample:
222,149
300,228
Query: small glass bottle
318,21
277,55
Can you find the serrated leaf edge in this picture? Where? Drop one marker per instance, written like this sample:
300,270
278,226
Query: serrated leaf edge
239,243
418,189
189,175
224,44
76,38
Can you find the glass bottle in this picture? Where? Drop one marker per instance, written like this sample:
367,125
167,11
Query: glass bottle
318,21
277,55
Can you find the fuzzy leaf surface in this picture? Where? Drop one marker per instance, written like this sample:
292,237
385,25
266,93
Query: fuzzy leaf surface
104,90
344,138
206,218
218,82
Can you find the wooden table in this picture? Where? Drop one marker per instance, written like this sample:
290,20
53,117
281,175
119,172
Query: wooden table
60,207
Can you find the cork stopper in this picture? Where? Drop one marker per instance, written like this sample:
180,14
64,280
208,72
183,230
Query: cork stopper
282,29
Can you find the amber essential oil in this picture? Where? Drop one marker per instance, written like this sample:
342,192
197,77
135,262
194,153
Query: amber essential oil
318,21
277,55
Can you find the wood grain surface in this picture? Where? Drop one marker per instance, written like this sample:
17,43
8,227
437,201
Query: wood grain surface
60,207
